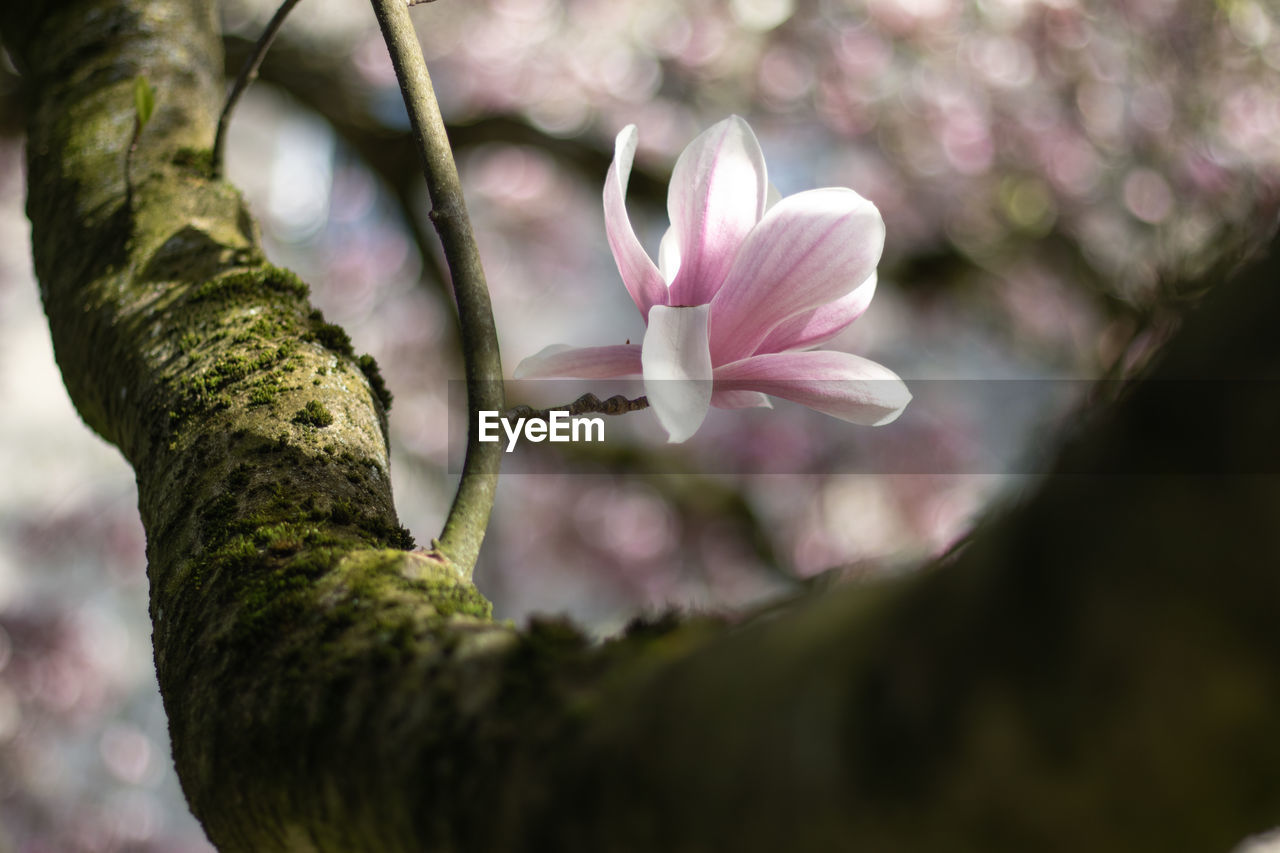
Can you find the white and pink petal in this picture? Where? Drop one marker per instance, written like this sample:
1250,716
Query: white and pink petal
643,280
819,325
839,384
716,196
561,361
810,249
677,368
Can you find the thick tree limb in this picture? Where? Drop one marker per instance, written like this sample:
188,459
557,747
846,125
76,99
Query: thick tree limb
1095,671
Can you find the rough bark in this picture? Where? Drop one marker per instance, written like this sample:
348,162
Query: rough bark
1096,670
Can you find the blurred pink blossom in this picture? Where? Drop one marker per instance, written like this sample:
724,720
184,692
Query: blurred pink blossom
745,284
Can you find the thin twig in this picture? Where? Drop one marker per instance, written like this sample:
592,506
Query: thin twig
469,516
128,164
248,74
586,404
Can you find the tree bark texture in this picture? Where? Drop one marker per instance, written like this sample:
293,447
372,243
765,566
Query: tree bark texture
1099,669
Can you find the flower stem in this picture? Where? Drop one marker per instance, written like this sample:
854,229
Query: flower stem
587,403
469,516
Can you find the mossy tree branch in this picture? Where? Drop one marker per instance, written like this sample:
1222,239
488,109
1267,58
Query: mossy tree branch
1094,671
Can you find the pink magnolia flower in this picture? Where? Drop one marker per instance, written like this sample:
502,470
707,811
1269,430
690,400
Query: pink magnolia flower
745,285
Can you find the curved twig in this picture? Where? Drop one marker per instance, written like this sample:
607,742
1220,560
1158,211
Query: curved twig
247,74
469,516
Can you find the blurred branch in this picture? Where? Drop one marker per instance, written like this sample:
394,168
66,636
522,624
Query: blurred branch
323,84
589,161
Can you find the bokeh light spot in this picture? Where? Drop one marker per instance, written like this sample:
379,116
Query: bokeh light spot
761,14
1028,203
1147,196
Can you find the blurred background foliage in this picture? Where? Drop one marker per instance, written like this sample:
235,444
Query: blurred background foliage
1050,172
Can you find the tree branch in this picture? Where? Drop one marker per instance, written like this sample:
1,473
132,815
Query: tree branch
586,404
469,515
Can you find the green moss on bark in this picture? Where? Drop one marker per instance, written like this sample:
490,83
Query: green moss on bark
252,282
369,367
196,160
313,414
329,335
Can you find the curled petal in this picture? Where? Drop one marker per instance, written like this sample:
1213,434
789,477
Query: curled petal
845,386
737,398
821,324
559,360
810,249
643,281
677,368
717,195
